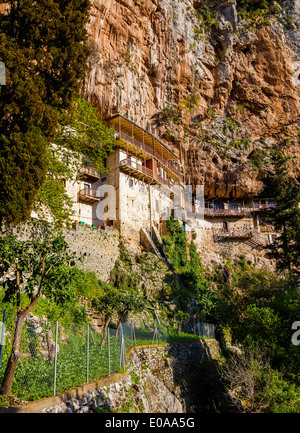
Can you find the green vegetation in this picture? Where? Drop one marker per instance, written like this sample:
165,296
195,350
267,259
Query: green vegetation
259,11
38,268
80,136
44,48
257,308
251,308
192,283
34,376
207,19
285,217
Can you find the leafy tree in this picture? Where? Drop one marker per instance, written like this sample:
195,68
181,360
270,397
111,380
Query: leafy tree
259,307
34,268
181,318
43,46
115,302
193,291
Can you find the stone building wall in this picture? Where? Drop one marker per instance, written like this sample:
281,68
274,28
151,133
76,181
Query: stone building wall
211,248
101,246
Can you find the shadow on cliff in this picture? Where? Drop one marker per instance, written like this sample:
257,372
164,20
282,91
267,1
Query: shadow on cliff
196,373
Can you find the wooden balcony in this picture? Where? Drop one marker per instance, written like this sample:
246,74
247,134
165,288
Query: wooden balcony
89,173
262,206
236,213
144,150
138,170
89,195
241,234
149,147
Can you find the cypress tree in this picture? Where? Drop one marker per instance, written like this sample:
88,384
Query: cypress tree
285,217
43,46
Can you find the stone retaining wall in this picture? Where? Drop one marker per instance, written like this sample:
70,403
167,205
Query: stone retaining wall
158,380
101,246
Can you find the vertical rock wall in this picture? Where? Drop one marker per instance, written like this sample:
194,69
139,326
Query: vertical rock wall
148,55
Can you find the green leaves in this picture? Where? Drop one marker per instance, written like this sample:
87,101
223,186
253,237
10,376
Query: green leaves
285,217
114,301
80,137
193,284
44,267
82,131
177,245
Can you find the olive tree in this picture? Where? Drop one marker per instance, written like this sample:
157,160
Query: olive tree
33,268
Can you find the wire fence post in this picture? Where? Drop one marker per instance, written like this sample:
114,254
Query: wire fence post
2,337
131,332
155,334
108,343
134,334
87,353
124,349
121,346
55,361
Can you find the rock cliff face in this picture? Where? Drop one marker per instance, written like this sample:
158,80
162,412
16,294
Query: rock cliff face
221,87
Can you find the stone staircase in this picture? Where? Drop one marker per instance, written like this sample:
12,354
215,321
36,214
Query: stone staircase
248,236
148,243
153,242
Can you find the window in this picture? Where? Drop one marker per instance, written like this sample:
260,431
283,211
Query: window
130,183
234,206
157,205
142,189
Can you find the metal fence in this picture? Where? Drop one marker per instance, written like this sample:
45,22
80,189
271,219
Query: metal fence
58,356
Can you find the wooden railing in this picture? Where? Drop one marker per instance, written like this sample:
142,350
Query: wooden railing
226,212
257,206
164,181
134,165
150,151
89,193
244,233
90,171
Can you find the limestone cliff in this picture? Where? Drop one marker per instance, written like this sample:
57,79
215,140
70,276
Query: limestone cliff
222,87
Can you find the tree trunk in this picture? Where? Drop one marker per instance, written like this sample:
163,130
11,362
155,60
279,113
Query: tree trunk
179,327
105,332
119,322
13,359
15,351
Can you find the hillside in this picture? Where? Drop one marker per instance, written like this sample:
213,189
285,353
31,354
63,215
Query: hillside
117,277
